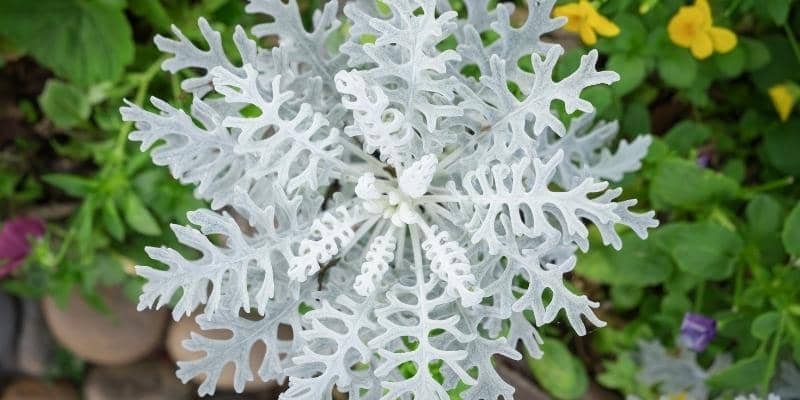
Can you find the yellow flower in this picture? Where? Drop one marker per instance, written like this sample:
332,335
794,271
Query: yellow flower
693,27
679,396
783,97
584,19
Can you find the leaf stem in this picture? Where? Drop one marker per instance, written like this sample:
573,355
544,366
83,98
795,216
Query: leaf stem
699,296
141,91
792,40
773,356
768,186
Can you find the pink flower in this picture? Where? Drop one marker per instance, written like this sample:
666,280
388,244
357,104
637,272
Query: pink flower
15,242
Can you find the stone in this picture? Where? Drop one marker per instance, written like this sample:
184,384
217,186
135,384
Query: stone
121,336
181,330
36,348
268,394
8,332
33,389
150,380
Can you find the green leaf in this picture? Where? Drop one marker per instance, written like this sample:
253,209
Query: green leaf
687,135
732,63
764,215
626,297
781,67
559,372
153,11
636,119
677,67
758,54
138,217
73,185
64,104
600,96
84,224
780,146
742,375
631,38
779,10
631,69
639,263
81,41
703,249
682,184
765,324
791,232
112,221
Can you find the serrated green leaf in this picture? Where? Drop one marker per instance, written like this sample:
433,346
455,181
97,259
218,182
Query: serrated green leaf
73,185
80,41
64,104
742,375
682,184
559,372
138,217
791,232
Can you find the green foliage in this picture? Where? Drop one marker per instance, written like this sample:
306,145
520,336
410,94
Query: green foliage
64,104
559,372
683,185
114,200
791,232
722,173
81,41
745,374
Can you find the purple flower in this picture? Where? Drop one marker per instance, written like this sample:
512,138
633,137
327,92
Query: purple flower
15,242
697,331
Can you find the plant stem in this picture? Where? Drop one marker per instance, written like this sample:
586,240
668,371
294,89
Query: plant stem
116,159
773,356
792,41
141,92
699,294
737,291
765,187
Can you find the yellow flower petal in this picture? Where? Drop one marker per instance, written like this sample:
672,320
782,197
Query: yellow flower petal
705,10
603,25
782,99
701,46
583,18
587,35
724,40
574,14
685,26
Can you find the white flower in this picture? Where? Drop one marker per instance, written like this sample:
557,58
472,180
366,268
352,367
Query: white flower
459,204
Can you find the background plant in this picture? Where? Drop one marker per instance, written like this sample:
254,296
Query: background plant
717,132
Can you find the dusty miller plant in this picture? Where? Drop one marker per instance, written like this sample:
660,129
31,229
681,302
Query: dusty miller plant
406,221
